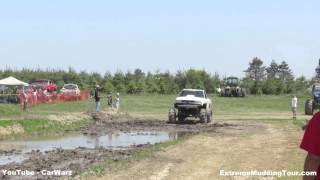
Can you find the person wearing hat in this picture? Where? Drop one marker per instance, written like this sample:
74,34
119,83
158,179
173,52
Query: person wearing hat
97,97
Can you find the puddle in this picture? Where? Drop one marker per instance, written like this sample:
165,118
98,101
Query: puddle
111,141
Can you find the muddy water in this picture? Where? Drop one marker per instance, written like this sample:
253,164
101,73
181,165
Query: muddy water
118,140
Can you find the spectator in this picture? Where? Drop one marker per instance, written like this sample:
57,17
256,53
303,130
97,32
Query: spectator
219,90
117,101
35,96
110,100
294,106
25,100
311,144
97,97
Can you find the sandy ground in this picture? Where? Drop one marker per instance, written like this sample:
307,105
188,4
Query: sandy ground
251,147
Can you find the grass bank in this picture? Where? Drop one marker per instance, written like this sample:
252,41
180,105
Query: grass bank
37,127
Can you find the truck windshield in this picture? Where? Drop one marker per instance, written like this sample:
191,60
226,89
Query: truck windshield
232,82
194,93
70,86
316,88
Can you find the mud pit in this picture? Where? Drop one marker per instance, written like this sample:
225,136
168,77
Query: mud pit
107,139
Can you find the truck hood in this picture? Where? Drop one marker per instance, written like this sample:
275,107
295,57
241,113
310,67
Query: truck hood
190,98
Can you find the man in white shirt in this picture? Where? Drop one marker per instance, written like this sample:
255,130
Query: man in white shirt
294,106
117,101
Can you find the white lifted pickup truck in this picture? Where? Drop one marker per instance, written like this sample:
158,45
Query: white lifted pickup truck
191,103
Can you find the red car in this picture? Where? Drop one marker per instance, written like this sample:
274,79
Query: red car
44,84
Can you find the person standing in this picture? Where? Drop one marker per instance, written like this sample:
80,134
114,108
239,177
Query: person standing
219,90
117,101
97,97
294,106
35,96
311,144
25,100
110,100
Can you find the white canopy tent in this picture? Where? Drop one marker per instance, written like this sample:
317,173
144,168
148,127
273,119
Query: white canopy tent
11,81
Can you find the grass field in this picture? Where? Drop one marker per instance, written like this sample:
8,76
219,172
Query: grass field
157,106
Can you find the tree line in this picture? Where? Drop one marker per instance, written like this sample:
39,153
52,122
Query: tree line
276,78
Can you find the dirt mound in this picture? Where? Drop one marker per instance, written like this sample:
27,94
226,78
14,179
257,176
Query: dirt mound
10,130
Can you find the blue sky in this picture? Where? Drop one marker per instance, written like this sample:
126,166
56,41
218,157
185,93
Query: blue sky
219,36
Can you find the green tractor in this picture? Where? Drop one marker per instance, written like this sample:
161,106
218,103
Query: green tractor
232,88
313,104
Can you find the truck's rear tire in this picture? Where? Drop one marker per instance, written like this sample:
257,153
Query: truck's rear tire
309,107
203,116
181,117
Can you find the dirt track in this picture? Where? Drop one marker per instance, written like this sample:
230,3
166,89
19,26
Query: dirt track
247,146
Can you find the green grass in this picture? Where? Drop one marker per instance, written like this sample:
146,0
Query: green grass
43,127
80,106
9,110
158,105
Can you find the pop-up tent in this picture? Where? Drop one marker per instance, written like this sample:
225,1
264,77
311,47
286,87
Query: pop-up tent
11,81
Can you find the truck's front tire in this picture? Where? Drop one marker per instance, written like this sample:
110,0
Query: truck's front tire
181,116
203,116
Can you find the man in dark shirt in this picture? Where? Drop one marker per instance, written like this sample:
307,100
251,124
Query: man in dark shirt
97,97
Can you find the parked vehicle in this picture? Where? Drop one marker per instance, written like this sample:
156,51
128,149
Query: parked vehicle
313,104
44,85
191,103
70,89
